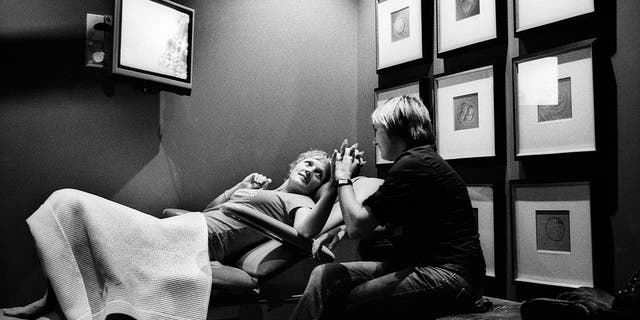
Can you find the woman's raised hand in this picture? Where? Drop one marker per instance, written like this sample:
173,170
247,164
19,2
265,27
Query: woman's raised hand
347,161
255,181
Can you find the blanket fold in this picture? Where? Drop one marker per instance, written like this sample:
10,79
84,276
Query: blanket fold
102,258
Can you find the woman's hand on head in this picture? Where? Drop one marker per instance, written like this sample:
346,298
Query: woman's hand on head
326,189
255,181
347,161
329,186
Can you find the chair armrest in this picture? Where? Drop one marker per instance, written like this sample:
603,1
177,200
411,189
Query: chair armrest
172,212
273,229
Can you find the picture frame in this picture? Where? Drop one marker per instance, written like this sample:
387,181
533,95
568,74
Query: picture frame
414,88
533,14
483,204
552,236
464,113
461,24
554,101
399,32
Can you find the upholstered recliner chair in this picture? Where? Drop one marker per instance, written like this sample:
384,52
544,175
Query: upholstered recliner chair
275,271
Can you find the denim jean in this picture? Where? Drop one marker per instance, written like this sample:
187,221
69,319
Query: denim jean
383,290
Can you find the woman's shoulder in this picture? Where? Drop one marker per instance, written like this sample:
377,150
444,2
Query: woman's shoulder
291,196
294,200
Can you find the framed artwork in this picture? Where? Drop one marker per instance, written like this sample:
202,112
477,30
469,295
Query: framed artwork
554,101
398,32
534,13
464,114
382,95
482,202
552,233
461,23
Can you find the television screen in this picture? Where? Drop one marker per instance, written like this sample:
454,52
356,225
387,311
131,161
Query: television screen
153,40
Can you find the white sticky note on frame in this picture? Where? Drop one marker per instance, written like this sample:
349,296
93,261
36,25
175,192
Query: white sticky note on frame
538,82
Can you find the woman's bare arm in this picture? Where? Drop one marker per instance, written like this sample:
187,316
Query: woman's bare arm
310,221
252,181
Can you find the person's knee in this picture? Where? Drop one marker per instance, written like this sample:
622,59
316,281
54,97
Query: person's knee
317,273
325,270
65,197
326,273
66,194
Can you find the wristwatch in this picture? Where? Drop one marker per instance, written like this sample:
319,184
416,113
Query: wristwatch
344,182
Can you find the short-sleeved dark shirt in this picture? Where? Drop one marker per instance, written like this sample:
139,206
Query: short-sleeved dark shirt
429,201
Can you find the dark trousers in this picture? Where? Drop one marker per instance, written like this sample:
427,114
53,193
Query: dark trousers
382,290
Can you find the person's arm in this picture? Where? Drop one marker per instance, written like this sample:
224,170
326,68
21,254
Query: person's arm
334,219
363,188
310,221
252,181
358,219
222,198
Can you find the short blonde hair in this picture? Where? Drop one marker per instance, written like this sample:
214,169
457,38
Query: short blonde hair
320,155
407,117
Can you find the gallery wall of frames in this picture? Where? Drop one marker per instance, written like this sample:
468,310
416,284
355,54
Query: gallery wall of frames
523,104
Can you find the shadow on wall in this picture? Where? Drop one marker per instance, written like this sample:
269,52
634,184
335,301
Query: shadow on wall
155,187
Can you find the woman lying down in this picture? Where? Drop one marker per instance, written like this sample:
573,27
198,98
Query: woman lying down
85,242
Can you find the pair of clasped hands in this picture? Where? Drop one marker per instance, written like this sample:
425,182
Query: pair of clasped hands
346,163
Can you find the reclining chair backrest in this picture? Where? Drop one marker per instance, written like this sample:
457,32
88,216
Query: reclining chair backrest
285,248
290,246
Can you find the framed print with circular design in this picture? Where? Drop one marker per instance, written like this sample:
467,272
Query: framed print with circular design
552,233
398,32
464,114
554,101
461,23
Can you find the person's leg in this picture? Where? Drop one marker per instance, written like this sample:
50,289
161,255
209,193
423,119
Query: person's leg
35,309
425,291
329,285
64,199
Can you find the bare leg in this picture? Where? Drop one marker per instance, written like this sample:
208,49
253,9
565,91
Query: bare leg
35,309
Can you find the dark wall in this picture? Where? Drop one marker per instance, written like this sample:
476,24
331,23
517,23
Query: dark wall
367,82
626,222
59,129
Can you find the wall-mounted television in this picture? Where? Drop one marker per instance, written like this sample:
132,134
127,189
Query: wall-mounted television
153,41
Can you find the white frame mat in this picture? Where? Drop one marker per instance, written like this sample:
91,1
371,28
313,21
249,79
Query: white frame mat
392,52
473,142
482,199
537,84
534,13
558,268
453,33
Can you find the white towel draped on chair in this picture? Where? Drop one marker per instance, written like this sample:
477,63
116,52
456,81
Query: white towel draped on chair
102,257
